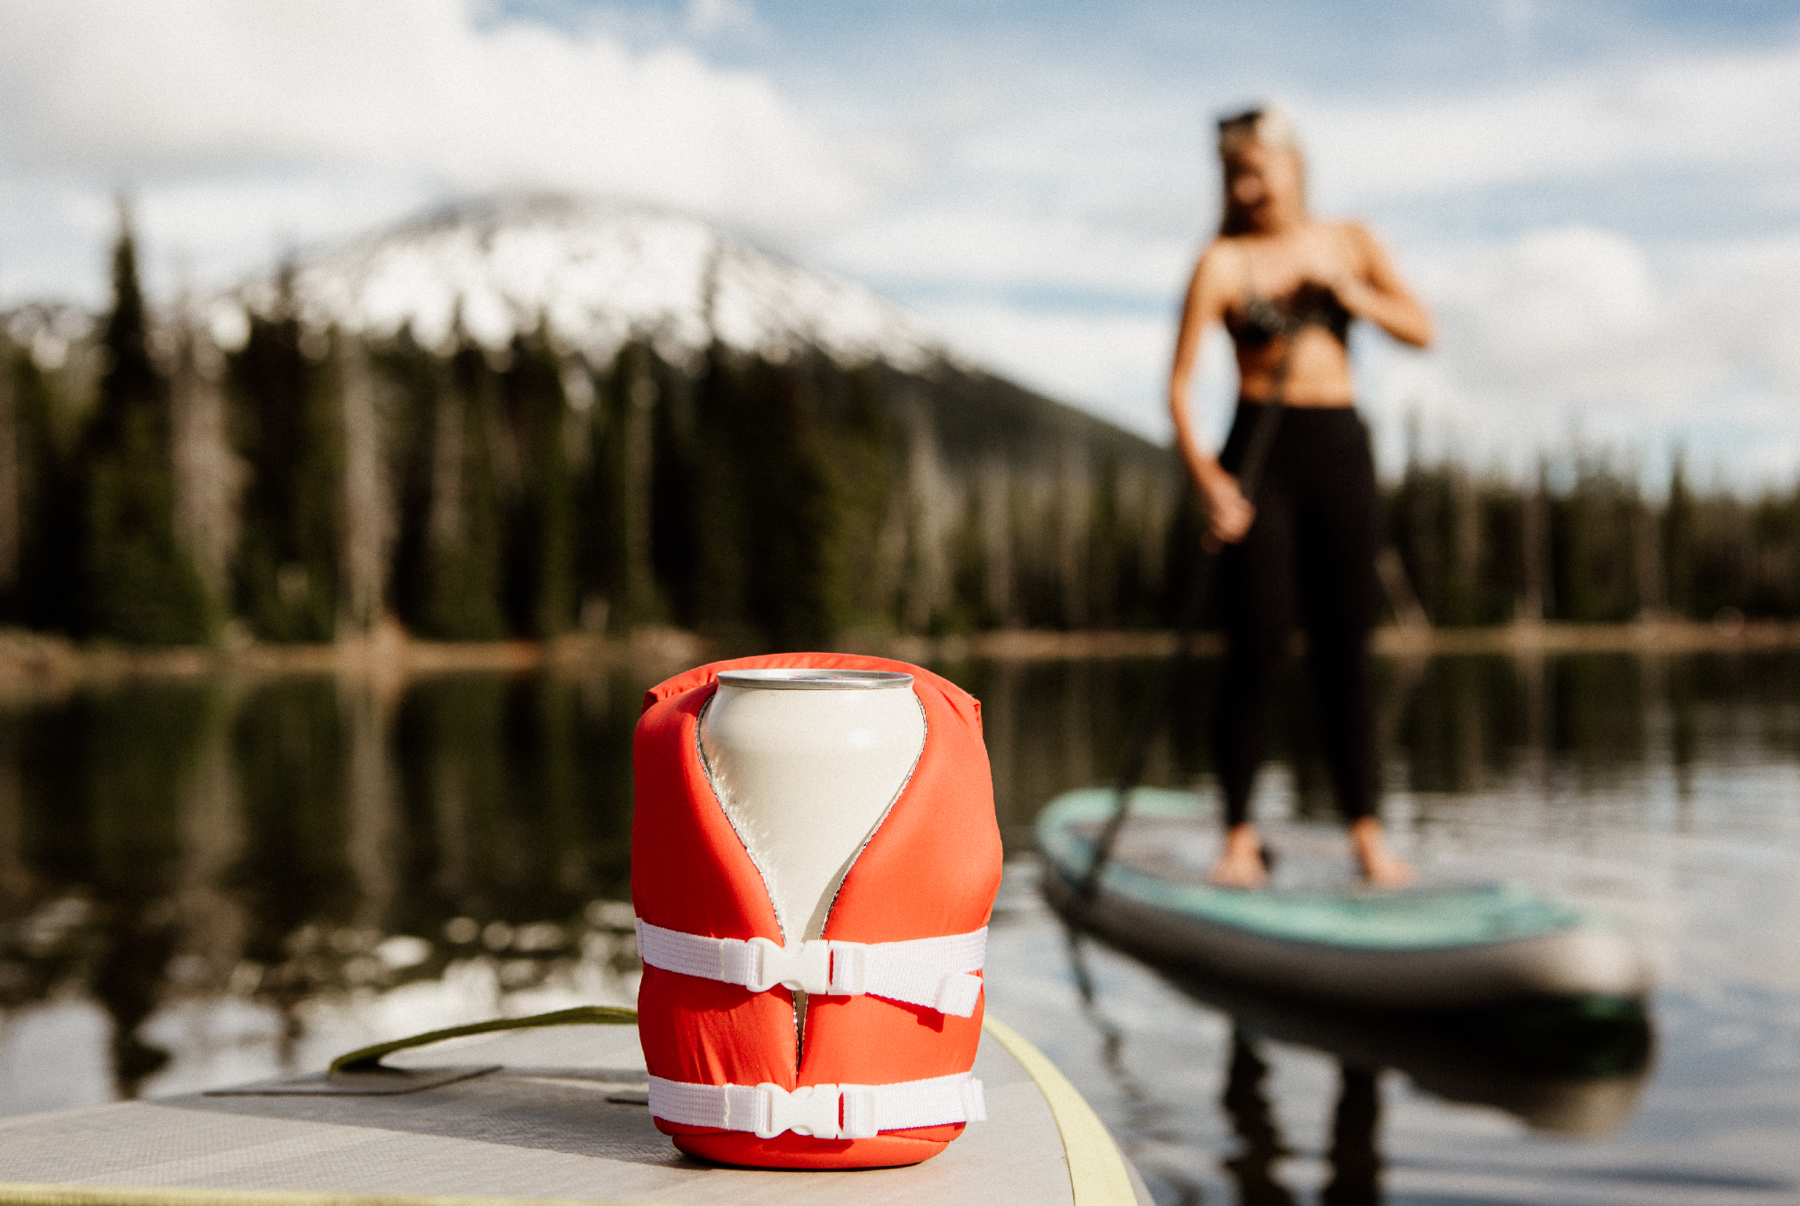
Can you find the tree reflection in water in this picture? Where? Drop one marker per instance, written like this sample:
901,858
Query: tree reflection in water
218,864
294,856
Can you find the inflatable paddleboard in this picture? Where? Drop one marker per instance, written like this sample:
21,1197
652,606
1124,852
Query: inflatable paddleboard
554,1115
1432,948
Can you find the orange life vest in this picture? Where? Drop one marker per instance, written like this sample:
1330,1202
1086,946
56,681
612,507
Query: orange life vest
724,1052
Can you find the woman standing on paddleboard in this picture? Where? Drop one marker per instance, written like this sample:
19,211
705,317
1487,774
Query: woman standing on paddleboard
1287,285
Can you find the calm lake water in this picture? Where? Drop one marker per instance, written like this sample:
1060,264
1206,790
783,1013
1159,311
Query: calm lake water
208,883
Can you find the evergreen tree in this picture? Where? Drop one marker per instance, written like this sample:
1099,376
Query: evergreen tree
1775,586
286,429
463,539
615,503
138,584
416,376
705,501
540,544
867,452
1500,583
447,552
1109,558
1678,541
794,586
11,484
1417,525
1724,564
680,537
600,507
1183,551
47,592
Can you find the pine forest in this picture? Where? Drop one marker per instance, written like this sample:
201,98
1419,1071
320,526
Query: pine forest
300,486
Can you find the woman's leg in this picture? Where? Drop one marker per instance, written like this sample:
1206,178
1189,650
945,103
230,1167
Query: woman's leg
1258,587
1340,537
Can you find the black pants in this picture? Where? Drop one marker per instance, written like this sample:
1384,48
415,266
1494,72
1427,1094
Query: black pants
1309,559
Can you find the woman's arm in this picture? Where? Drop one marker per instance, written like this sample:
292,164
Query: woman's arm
1228,513
1378,294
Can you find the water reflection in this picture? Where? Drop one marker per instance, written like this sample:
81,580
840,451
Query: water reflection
162,846
1562,1068
210,881
1354,1159
1260,1142
1572,1068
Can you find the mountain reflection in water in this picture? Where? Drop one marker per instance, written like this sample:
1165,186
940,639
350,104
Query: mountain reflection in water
214,881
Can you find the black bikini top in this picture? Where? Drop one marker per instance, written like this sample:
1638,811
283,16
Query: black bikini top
1261,320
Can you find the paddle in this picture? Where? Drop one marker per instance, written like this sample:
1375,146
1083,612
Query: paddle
1156,707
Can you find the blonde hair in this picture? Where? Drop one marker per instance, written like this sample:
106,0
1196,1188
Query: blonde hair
1265,125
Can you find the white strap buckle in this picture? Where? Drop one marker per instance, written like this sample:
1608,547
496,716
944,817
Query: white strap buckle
821,1111
935,972
849,969
834,1111
803,968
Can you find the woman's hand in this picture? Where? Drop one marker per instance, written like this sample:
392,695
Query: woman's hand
1366,284
1352,292
1332,268
1228,513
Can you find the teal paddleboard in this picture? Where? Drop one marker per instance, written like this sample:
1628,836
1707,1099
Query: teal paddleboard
1432,947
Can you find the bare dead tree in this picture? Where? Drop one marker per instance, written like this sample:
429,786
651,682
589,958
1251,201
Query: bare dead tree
368,505
209,475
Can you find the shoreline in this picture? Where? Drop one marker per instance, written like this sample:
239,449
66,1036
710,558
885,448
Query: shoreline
31,662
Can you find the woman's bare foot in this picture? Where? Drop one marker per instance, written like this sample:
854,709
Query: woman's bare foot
1241,865
1381,867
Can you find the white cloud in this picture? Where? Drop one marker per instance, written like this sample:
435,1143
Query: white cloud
422,88
1020,201
1562,341
710,18
1575,337
1014,244
1568,332
1694,112
1570,305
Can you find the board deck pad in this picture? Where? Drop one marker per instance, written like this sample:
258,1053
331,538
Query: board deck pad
387,1082
562,1119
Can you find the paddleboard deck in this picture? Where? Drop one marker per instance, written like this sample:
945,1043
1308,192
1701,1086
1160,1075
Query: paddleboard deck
546,1115
1438,946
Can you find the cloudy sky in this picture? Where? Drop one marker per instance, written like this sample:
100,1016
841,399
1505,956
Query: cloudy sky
1600,199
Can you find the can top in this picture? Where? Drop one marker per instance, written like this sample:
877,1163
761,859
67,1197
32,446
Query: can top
797,678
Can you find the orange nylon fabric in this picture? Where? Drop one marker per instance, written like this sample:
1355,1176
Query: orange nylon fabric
932,869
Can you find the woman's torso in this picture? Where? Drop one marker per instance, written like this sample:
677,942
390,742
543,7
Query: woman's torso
1289,330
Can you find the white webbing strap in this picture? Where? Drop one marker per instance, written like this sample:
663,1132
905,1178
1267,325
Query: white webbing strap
935,972
822,1111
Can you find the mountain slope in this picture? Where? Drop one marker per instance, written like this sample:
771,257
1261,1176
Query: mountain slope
601,273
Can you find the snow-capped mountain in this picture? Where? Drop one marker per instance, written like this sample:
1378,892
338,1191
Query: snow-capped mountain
600,271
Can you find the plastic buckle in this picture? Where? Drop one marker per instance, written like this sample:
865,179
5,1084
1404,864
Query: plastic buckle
806,967
858,1112
849,969
808,1110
